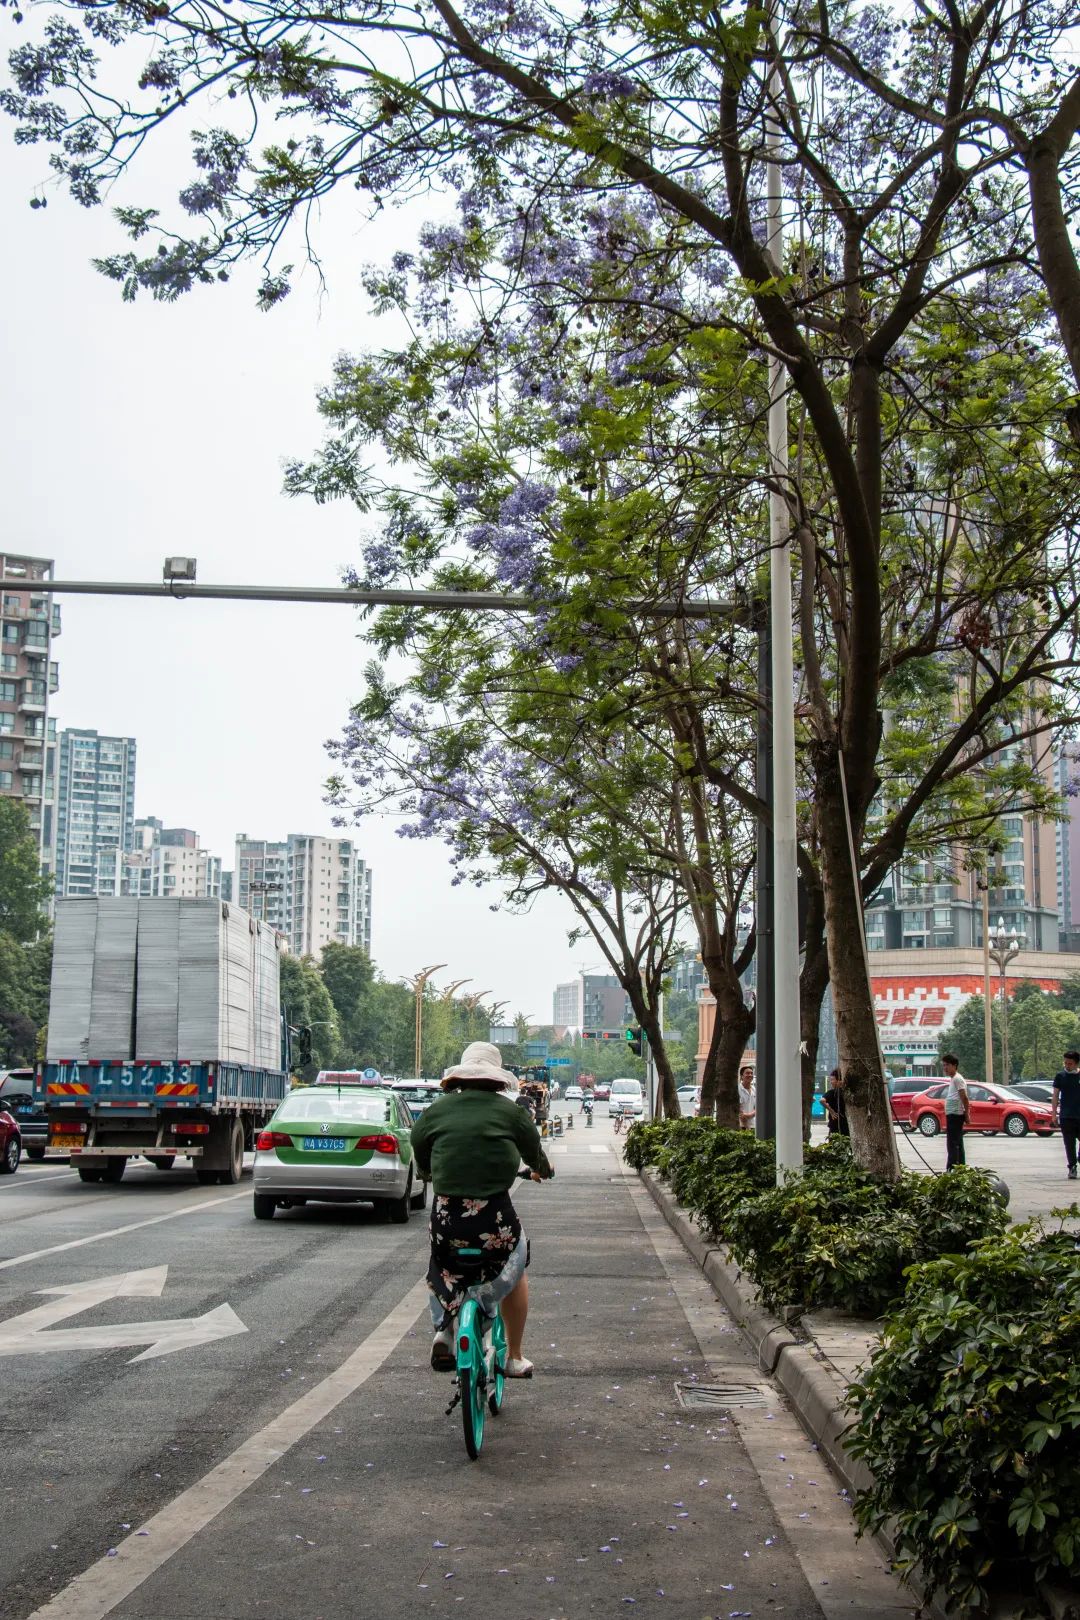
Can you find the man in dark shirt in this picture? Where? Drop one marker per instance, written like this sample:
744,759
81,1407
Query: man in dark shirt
835,1105
1067,1107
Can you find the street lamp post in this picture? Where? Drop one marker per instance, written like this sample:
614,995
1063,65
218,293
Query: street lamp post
417,983
1004,948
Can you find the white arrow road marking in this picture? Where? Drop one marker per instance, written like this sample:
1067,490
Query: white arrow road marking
25,1335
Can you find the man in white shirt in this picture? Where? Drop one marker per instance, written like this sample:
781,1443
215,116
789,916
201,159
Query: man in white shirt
957,1109
747,1098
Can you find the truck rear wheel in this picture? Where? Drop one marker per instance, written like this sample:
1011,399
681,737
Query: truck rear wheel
88,1174
163,1161
114,1170
235,1169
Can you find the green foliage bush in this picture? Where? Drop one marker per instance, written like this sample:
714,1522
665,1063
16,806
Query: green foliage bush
968,1416
834,1236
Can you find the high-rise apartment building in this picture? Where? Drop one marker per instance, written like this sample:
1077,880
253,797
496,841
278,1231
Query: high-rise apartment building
317,891
29,620
592,1003
167,862
259,879
328,894
95,812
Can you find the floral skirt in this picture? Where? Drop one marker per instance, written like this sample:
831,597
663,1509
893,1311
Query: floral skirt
488,1224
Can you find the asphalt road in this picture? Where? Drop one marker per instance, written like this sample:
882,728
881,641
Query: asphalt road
291,1458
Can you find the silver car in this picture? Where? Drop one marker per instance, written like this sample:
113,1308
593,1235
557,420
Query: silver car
338,1144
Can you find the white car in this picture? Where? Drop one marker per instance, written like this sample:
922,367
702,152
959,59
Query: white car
689,1100
573,1094
627,1098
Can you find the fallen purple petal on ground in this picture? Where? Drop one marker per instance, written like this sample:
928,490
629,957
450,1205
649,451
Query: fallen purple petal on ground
111,1553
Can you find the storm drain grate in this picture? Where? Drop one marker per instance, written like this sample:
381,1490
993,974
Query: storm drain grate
697,1395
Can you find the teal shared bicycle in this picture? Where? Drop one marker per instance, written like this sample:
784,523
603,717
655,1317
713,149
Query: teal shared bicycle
481,1348
481,1367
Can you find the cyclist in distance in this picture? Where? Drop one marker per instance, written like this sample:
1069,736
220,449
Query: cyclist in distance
469,1144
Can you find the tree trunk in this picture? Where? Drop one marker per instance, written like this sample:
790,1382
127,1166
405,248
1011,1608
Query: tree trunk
813,982
667,1103
708,1081
872,1139
734,1022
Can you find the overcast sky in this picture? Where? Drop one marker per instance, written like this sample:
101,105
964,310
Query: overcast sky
136,431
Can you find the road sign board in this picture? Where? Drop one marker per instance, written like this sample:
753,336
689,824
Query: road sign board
559,1063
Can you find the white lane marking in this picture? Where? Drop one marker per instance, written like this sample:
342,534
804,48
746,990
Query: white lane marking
99,1589
38,1177
562,1148
24,1335
118,1231
599,1147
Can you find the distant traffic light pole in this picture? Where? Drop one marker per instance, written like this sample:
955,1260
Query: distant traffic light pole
179,584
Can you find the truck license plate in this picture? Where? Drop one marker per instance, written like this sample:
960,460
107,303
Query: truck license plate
67,1141
324,1144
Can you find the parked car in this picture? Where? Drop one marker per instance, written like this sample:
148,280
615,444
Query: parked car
627,1097
328,1146
993,1109
10,1143
901,1093
689,1099
1034,1090
17,1097
601,1091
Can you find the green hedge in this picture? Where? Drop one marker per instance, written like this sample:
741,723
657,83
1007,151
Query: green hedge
833,1236
968,1416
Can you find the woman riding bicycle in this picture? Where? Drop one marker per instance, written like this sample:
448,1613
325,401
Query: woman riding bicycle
469,1144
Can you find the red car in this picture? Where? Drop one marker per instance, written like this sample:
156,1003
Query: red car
902,1094
601,1091
993,1109
10,1144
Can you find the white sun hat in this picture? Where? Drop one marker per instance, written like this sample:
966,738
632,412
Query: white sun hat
481,1060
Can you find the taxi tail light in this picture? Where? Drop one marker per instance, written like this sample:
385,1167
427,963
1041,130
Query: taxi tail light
271,1139
377,1144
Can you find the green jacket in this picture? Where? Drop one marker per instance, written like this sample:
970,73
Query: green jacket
471,1144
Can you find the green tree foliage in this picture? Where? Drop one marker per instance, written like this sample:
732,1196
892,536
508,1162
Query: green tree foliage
348,975
307,1001
24,998
965,1038
23,890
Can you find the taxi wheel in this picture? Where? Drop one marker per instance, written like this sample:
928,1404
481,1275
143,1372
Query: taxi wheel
263,1206
419,1199
401,1208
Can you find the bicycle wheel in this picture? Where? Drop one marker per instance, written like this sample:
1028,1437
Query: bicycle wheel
471,1380
498,1383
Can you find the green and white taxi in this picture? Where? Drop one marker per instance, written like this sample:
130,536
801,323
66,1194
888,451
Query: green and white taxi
338,1144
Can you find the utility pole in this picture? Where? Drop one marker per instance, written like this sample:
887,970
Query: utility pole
988,1008
785,939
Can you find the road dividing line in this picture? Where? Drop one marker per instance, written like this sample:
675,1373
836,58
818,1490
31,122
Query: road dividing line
99,1589
599,1147
118,1231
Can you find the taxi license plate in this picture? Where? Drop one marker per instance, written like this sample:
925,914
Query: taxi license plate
67,1141
324,1144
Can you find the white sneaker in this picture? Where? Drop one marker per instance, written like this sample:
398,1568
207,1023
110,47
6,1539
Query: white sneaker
442,1350
518,1367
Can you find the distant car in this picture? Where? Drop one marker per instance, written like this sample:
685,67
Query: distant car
328,1146
689,1099
627,1097
17,1097
419,1094
993,1109
901,1093
574,1093
1034,1090
10,1143
601,1091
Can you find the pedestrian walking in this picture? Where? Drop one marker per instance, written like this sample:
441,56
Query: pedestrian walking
747,1098
1066,1104
835,1105
957,1111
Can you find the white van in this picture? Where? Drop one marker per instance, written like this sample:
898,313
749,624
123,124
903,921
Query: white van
627,1098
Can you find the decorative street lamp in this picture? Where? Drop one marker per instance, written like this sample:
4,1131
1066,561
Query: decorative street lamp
417,983
1004,948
